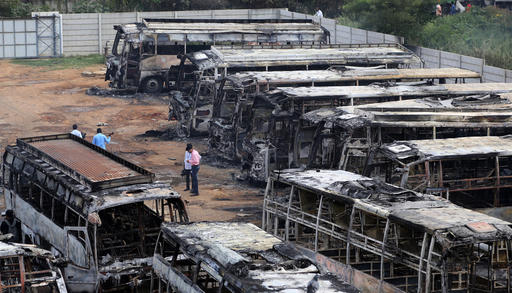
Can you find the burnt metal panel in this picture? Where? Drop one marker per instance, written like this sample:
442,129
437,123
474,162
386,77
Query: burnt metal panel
85,162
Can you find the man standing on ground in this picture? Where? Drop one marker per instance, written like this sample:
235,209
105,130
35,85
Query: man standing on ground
188,166
194,161
76,131
100,139
10,225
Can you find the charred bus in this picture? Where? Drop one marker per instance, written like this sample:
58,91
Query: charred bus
417,242
342,138
474,172
274,127
25,268
199,75
240,257
237,93
99,212
143,52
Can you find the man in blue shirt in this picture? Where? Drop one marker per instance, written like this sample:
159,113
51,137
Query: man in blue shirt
100,139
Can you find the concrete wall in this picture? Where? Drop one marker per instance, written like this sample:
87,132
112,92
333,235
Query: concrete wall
436,59
341,34
87,33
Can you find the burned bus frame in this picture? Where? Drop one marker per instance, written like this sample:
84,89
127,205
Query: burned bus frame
199,75
25,268
418,242
149,48
474,172
99,212
237,91
274,128
341,138
240,257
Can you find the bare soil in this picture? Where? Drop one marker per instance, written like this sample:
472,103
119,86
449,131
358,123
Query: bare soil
35,101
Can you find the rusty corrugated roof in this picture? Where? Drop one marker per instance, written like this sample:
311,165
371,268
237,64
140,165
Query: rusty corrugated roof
84,160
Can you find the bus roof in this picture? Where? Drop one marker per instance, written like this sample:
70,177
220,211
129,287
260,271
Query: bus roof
280,55
85,162
349,74
452,224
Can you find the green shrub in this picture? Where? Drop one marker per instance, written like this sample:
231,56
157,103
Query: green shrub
483,32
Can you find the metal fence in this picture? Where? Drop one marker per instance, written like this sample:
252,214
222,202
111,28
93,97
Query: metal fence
436,59
341,34
35,37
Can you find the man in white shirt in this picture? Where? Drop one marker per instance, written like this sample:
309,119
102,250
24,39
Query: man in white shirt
76,131
188,167
319,13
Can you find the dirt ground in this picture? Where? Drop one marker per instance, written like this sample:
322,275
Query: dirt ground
37,101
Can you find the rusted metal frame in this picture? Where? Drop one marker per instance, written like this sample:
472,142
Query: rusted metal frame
349,230
489,269
429,259
319,214
343,156
265,214
497,182
422,256
427,173
196,272
287,223
314,147
440,179
384,240
95,234
508,243
142,235
444,277
22,273
295,148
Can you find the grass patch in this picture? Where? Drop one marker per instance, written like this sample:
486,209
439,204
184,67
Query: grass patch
62,62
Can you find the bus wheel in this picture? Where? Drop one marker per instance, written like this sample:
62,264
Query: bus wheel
152,84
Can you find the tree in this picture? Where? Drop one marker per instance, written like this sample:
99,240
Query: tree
398,17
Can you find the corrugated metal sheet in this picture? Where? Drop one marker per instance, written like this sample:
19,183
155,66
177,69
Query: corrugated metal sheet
89,163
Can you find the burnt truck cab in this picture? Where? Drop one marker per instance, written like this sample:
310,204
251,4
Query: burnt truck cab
99,212
143,52
26,268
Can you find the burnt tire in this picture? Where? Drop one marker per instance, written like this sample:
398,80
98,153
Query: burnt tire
152,85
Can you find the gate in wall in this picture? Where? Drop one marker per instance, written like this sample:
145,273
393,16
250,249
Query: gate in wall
39,36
